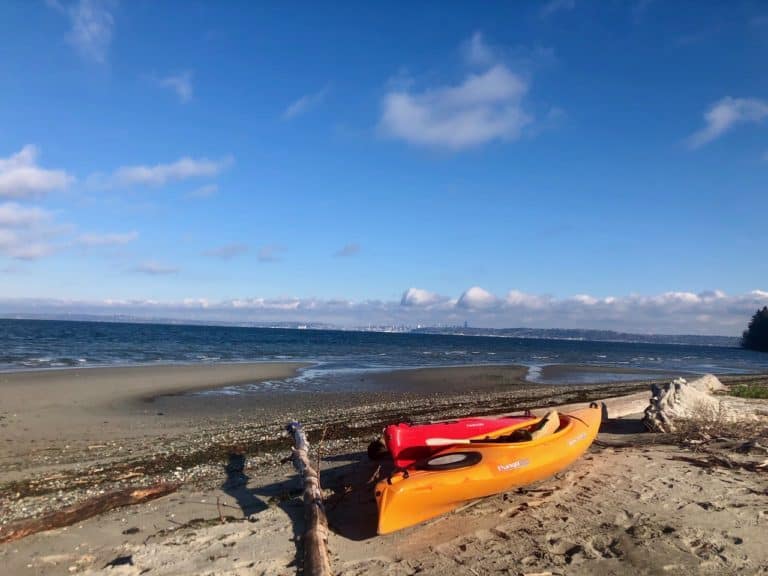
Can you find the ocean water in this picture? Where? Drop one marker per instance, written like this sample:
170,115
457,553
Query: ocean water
340,356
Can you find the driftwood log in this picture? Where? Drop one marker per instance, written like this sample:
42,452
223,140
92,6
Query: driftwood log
315,540
84,510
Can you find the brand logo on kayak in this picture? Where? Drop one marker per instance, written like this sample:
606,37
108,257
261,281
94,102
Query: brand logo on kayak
475,425
513,465
578,438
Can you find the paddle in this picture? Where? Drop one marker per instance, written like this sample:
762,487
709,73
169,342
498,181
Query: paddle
517,435
435,442
447,441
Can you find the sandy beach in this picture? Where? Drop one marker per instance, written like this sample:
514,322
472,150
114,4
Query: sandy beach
39,409
633,503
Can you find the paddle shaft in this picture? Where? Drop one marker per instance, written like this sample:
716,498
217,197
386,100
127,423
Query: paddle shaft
447,441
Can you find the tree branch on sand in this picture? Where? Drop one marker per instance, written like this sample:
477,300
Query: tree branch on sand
714,461
315,540
84,510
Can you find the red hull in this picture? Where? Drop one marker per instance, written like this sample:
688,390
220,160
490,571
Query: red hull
407,442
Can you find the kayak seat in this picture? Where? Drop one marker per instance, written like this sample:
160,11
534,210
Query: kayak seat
521,435
547,426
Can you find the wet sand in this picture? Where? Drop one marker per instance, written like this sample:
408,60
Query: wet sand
453,379
40,409
582,373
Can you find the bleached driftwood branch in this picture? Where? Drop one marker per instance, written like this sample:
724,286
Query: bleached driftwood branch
315,540
687,407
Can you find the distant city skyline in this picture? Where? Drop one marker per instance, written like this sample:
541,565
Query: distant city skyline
712,313
542,164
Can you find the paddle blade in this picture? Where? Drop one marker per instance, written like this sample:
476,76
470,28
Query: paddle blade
445,441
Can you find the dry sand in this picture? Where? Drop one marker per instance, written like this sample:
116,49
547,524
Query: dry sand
634,507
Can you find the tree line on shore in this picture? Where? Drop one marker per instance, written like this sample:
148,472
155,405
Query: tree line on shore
755,337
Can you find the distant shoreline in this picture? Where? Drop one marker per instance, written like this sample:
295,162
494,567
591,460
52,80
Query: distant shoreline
565,334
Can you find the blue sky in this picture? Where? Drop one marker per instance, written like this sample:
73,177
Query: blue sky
563,163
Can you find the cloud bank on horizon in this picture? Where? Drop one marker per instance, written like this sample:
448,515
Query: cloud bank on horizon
707,313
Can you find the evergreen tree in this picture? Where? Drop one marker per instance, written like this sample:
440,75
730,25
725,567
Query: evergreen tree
755,337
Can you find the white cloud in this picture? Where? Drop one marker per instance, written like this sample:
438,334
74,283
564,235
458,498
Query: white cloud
348,250
158,174
420,298
111,239
725,114
204,191
712,295
9,240
680,297
554,6
30,232
155,268
281,304
28,251
517,298
14,215
228,251
181,84
477,298
484,107
304,104
92,24
270,253
24,244
584,299
27,232
21,177
477,52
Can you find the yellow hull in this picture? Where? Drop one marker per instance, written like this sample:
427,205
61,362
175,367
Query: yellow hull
417,495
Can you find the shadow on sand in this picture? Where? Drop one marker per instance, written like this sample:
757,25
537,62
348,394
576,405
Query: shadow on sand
236,486
350,508
623,426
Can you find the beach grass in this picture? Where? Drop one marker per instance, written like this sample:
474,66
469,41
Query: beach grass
750,390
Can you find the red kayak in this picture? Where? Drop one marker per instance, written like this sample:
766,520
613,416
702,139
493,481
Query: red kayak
409,443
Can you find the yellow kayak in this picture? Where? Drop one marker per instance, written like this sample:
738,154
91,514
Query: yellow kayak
477,468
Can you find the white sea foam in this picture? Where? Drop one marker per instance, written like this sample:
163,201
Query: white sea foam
534,373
